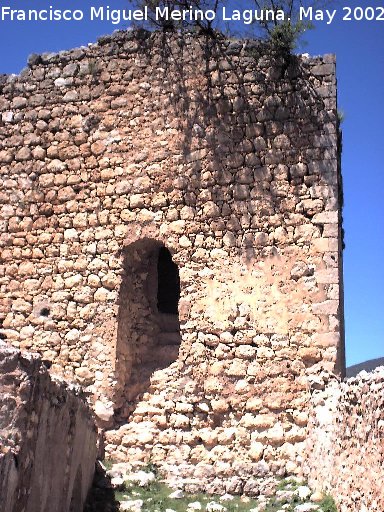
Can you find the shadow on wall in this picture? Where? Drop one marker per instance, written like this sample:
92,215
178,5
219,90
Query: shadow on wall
148,337
222,112
77,498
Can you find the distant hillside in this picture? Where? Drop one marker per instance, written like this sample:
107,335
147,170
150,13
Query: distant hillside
368,366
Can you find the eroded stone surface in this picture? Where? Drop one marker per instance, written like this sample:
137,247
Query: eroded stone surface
47,437
344,449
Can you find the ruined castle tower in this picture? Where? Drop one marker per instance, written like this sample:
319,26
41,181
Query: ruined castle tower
170,239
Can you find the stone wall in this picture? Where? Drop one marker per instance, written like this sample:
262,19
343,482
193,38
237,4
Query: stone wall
47,438
227,159
345,445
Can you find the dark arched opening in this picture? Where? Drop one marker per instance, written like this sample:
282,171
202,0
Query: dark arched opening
148,337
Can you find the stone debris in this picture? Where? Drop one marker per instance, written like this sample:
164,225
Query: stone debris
303,492
117,482
317,496
212,506
306,507
226,497
131,505
141,478
195,505
178,494
284,495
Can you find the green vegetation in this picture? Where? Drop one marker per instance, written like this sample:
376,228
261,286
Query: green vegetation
327,504
288,483
282,33
283,38
108,464
156,497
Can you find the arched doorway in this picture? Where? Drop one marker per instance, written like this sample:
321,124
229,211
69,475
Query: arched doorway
148,337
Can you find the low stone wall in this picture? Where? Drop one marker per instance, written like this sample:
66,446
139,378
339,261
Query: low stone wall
47,438
345,445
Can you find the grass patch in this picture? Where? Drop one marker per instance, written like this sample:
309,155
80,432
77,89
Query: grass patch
288,484
107,464
328,504
155,497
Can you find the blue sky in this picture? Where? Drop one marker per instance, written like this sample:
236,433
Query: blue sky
359,46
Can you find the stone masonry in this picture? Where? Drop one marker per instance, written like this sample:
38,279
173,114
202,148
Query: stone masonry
345,445
170,239
47,438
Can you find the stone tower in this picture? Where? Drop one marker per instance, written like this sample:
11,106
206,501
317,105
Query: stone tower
170,238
